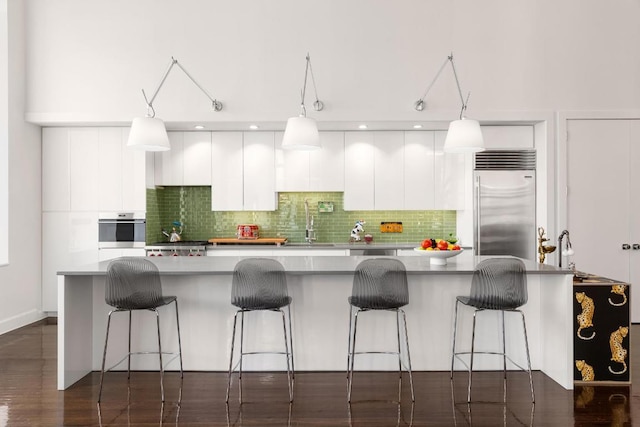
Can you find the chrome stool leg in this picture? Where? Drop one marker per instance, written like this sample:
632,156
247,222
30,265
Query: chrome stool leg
406,338
286,354
160,356
104,354
473,341
353,350
129,354
179,340
293,369
233,339
349,345
455,330
526,343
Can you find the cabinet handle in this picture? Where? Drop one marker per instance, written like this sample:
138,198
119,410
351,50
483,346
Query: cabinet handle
626,246
635,246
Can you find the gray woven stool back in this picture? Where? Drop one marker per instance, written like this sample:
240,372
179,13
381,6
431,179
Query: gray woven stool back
133,284
259,284
380,284
499,284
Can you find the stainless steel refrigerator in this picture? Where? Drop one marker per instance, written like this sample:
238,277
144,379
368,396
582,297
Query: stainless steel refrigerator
505,203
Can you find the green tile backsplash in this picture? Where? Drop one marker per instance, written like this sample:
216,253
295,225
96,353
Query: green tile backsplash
192,206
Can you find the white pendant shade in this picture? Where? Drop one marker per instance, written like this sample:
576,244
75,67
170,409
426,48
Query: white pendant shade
464,136
301,133
148,134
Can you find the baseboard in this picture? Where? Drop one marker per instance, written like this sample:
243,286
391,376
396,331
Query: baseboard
20,320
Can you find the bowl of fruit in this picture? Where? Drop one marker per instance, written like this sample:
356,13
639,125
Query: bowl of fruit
438,250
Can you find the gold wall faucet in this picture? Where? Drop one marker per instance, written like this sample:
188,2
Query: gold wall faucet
543,249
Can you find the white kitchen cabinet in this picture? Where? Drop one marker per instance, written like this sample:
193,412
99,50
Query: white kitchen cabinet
68,239
134,188
317,170
113,253
85,170
388,168
419,170
326,166
240,252
508,137
169,165
451,176
84,161
359,171
91,169
56,173
603,200
227,183
197,158
258,161
121,173
243,171
110,169
292,168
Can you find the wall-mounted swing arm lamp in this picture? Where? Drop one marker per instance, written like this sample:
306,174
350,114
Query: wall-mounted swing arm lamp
464,135
301,133
149,133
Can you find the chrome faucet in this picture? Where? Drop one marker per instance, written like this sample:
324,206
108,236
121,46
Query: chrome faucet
568,251
310,233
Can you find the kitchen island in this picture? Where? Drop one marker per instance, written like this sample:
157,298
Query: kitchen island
319,287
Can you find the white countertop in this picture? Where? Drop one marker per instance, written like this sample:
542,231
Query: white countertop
464,263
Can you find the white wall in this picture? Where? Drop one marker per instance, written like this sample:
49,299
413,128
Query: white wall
89,59
20,293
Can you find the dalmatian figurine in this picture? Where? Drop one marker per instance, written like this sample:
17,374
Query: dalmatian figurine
355,232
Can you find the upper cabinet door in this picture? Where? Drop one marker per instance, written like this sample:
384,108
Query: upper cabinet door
84,146
326,166
227,184
508,137
359,161
197,158
419,170
389,170
452,173
259,171
292,167
110,172
169,165
56,173
134,189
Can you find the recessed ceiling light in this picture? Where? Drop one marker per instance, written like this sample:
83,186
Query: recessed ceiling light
417,126
253,127
198,127
362,126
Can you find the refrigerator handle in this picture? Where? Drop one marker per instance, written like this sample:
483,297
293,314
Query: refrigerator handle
477,219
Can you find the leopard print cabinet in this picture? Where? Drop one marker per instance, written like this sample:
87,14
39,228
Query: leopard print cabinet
585,319
619,289
588,374
618,352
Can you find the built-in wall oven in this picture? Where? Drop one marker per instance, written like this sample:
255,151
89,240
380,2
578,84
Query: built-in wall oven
121,230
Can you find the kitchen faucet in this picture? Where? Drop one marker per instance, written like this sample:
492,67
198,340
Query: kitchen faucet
310,234
568,251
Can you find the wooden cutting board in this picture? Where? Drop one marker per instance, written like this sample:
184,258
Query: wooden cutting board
259,241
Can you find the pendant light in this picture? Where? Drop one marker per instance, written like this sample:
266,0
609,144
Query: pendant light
464,135
149,133
301,133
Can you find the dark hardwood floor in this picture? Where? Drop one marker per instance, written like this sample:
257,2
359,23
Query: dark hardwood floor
28,396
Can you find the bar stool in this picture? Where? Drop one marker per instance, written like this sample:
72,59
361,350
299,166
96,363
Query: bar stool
379,284
498,284
260,284
132,284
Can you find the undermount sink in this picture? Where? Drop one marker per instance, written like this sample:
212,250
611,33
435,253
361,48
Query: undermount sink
311,245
